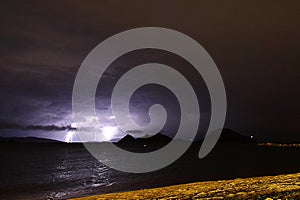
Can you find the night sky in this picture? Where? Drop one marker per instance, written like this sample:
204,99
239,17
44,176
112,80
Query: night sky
255,44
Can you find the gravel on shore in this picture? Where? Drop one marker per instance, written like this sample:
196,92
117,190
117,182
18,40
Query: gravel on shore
266,187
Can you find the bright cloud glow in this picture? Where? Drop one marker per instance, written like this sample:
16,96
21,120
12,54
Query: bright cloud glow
109,131
69,136
112,117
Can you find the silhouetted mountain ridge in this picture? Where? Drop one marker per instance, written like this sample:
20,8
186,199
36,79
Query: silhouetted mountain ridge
227,136
231,136
159,137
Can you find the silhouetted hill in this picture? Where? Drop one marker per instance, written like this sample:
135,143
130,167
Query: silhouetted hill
143,144
127,139
231,136
153,139
227,136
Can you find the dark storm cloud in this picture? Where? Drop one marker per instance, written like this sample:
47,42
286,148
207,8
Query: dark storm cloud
4,125
254,44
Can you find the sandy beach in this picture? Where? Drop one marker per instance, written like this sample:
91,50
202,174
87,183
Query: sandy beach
266,187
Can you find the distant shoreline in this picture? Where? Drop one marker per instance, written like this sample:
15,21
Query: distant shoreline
279,145
265,187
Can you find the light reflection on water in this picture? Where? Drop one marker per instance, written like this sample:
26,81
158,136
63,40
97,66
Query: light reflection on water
80,173
60,171
54,172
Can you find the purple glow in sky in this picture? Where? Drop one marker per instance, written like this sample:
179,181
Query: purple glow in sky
255,46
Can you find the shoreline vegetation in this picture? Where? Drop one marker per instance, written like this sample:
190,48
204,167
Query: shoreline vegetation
279,145
266,187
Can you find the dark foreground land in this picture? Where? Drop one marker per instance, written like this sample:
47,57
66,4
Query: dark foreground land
266,187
